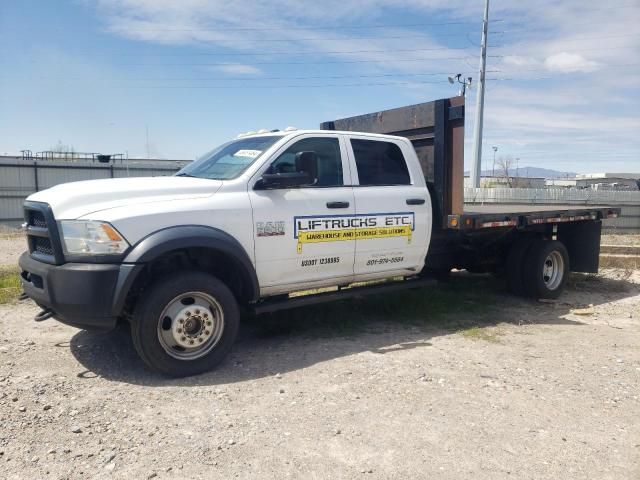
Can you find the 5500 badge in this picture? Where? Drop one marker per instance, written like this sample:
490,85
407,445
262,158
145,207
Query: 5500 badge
269,229
336,228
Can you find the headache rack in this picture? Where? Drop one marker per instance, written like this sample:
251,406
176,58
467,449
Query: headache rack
436,130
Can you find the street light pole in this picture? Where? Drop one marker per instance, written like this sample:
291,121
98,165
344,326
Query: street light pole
493,170
465,82
477,133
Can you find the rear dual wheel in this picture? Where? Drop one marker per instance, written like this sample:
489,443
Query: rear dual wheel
537,268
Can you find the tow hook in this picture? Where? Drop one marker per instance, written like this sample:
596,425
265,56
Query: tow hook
44,314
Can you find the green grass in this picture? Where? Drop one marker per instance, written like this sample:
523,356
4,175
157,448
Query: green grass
478,333
459,304
10,287
10,235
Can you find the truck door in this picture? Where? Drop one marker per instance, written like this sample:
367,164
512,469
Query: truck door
302,234
393,206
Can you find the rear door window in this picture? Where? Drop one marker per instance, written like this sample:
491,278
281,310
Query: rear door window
380,163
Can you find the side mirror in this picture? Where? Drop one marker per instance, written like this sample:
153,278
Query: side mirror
283,180
306,164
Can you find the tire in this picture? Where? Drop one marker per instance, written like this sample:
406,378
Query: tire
185,324
514,264
546,269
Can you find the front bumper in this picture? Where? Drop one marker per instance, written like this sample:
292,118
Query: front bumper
79,294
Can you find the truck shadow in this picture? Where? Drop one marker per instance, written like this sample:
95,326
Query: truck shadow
288,341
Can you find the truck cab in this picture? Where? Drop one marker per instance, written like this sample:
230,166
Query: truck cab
261,216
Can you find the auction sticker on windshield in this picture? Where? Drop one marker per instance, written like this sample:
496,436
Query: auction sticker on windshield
247,153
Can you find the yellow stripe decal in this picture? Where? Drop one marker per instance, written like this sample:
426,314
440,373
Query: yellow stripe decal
353,234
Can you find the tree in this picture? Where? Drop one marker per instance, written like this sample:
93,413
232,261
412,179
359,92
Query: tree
504,164
62,148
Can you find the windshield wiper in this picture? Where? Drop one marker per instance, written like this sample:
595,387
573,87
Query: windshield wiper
183,174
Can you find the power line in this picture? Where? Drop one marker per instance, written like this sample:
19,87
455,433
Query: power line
235,87
279,86
612,7
326,62
518,79
261,87
375,37
604,65
312,77
337,39
586,49
287,52
572,39
289,28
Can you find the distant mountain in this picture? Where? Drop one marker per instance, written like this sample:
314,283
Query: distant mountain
531,172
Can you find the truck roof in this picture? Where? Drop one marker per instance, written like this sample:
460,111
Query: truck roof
323,132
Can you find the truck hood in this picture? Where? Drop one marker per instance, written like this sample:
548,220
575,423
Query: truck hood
78,199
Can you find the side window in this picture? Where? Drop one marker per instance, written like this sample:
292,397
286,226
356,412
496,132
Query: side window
329,160
380,163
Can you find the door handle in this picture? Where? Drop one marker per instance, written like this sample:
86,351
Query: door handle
337,204
415,201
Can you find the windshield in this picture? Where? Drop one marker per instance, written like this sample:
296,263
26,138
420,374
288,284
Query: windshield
229,160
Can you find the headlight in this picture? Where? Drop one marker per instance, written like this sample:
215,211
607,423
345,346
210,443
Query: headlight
91,238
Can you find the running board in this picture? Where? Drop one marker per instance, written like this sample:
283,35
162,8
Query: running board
268,306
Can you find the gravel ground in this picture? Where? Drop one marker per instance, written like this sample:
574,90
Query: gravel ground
12,244
621,239
539,390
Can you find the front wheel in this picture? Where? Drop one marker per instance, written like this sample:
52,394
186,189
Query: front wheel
185,324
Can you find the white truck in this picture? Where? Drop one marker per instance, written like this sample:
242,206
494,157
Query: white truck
268,215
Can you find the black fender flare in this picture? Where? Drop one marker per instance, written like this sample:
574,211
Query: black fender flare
180,237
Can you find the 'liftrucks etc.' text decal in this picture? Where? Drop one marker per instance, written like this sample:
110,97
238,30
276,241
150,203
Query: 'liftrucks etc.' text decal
337,228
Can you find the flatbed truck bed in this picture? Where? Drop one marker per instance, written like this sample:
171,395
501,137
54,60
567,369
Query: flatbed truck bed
493,215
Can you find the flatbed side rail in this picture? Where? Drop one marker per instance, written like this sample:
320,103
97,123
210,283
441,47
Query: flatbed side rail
480,221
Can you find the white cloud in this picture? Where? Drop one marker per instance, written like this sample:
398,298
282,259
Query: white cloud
239,69
569,62
521,61
530,100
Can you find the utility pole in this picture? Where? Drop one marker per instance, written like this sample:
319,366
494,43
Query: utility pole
147,131
477,131
493,170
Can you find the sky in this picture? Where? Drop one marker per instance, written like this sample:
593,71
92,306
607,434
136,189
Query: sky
562,76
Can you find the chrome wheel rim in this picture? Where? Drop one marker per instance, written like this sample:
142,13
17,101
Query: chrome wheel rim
553,270
190,326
